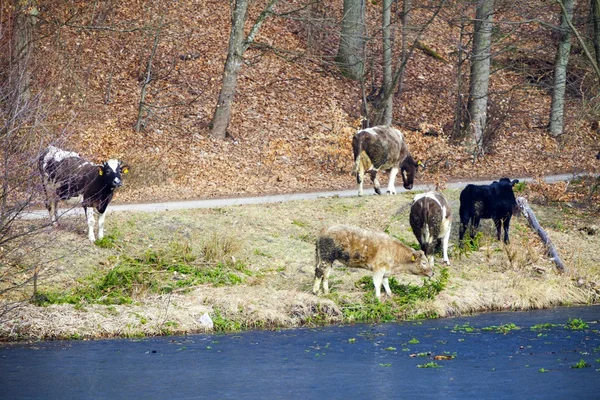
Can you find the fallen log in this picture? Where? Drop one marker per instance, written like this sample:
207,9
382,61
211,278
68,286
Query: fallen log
533,222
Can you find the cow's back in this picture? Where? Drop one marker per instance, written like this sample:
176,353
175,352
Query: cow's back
430,211
69,177
353,246
503,199
383,145
476,201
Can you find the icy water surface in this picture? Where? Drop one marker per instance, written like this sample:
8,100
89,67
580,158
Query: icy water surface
480,357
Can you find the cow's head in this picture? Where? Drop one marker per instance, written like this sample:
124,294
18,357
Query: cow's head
507,180
111,172
420,264
408,169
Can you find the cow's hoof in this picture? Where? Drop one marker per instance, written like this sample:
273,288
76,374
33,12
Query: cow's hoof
377,191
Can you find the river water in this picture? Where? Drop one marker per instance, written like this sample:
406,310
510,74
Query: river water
453,358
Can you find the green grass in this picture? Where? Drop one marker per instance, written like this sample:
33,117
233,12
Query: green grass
576,324
222,324
540,327
463,328
581,364
395,308
469,245
109,241
431,364
504,329
155,271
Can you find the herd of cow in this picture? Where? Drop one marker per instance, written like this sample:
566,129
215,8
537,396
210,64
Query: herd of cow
67,177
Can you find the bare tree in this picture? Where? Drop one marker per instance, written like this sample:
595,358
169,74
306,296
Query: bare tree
560,71
21,114
238,44
149,76
480,72
381,99
350,57
384,116
404,26
595,10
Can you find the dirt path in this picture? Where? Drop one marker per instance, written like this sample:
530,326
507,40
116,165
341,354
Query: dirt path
225,202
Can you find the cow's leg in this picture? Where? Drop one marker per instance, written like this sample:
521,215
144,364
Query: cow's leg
101,225
360,178
391,184
498,223
445,242
318,276
475,226
386,285
375,181
89,213
465,222
506,226
53,210
377,281
326,273
47,202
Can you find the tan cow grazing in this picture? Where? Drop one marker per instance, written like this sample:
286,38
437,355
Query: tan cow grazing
359,248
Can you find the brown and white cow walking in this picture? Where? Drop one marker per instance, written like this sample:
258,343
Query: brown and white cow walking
69,178
431,221
382,148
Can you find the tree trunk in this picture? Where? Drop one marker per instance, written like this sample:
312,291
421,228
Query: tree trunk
405,22
235,54
560,71
457,129
350,56
480,72
533,222
384,116
22,47
596,31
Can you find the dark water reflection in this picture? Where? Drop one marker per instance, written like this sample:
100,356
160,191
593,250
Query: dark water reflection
358,362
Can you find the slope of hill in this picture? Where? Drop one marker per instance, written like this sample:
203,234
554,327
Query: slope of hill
293,116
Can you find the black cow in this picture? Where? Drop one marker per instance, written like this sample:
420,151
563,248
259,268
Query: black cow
382,147
68,177
495,201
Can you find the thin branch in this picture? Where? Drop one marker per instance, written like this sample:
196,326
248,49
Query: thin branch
580,39
258,23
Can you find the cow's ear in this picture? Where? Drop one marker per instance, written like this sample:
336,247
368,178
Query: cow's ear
124,169
414,258
100,170
515,182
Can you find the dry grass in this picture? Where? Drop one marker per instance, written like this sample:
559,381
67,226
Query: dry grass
273,245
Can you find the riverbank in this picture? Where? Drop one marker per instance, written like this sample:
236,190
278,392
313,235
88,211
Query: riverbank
251,266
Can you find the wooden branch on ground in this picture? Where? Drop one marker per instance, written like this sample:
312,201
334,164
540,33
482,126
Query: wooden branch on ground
533,222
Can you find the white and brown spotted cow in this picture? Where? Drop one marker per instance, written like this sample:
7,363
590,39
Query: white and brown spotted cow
431,221
68,177
359,248
382,148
